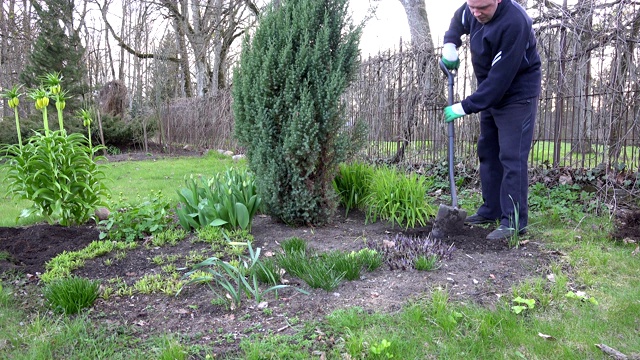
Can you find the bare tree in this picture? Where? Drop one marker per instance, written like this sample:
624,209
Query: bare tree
15,40
422,41
416,11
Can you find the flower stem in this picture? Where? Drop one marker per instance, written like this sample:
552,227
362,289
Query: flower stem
15,111
45,120
60,121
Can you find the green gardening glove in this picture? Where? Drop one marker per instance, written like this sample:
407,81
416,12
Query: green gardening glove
453,112
450,56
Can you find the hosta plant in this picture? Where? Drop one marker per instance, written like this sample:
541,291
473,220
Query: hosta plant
228,199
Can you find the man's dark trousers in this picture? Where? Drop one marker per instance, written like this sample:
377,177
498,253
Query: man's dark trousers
503,148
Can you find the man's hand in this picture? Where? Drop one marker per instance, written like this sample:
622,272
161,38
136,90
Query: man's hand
450,56
453,112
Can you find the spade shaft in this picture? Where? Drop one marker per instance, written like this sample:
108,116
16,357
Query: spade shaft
449,219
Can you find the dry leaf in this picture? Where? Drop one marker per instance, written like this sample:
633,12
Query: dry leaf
636,251
546,337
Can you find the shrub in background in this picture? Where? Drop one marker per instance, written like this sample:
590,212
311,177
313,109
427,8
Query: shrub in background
288,109
70,295
123,134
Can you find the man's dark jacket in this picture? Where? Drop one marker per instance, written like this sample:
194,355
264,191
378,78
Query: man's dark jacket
503,53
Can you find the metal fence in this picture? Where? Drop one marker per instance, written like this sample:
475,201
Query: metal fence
588,116
585,119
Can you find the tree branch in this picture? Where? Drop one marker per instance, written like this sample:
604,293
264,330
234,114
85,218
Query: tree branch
128,48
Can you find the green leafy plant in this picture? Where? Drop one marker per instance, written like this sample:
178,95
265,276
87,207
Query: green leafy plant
522,305
582,296
561,203
370,259
294,244
229,200
157,283
70,295
269,272
352,185
209,234
399,198
56,171
325,270
426,262
236,280
133,221
381,349
514,225
168,236
62,264
342,263
312,269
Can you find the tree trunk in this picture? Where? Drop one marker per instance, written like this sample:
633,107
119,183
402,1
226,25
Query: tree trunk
422,43
620,68
416,12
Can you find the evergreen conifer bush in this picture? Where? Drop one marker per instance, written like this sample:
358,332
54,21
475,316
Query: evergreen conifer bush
287,105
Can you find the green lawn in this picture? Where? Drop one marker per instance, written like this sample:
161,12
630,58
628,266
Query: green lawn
134,178
558,327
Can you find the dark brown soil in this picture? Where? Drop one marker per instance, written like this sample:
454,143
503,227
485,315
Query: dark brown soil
479,271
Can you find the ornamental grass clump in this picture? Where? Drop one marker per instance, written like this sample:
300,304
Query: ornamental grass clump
324,270
399,198
70,295
55,170
352,185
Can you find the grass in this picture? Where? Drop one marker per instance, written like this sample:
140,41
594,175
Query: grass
429,327
124,177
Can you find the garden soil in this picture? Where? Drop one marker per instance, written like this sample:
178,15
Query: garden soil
477,272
